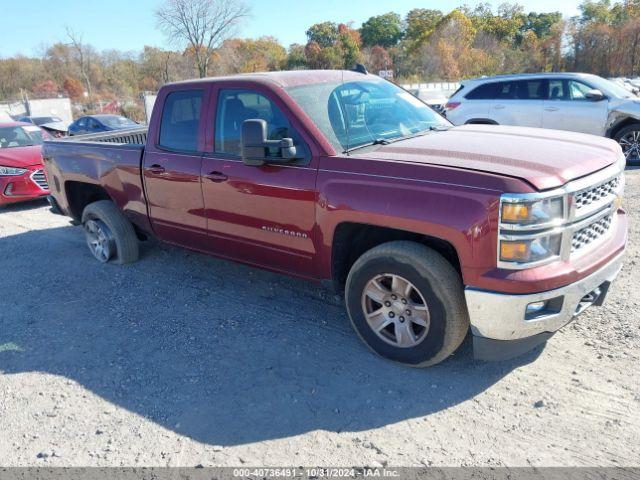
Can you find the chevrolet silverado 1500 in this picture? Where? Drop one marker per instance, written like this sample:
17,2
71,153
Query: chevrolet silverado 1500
338,176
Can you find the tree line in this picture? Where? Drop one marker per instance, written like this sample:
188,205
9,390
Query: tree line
424,45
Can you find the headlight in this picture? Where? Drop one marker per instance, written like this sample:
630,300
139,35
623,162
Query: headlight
11,171
545,212
530,230
530,250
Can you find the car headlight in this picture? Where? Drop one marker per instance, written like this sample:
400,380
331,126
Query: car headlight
11,171
530,250
544,212
529,230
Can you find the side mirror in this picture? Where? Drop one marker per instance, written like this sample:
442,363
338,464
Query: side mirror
258,150
595,95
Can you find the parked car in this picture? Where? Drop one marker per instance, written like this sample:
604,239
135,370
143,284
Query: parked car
22,174
100,123
55,126
344,178
566,101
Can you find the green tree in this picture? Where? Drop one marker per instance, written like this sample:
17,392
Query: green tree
324,34
420,24
296,59
384,30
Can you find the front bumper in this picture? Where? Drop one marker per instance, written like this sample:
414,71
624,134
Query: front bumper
29,186
502,320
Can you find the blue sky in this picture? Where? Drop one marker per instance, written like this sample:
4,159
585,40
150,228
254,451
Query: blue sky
129,24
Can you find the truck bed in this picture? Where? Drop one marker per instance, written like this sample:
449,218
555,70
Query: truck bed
136,136
111,161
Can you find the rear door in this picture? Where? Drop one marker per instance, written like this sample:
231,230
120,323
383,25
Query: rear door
261,215
172,165
568,108
519,102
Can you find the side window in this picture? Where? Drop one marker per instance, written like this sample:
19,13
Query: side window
506,91
92,124
531,89
236,106
82,123
578,90
180,121
557,90
483,92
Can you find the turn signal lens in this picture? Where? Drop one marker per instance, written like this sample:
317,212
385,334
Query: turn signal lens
514,251
516,212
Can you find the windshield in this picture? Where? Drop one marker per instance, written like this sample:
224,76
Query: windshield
43,120
609,88
360,113
20,136
117,121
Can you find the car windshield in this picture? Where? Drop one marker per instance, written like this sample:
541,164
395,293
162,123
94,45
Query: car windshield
366,112
609,88
117,121
44,120
20,136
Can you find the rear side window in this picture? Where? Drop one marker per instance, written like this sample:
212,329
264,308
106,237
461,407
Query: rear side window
483,92
531,89
180,121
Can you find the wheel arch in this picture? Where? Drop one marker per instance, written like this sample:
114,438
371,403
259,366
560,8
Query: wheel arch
81,194
351,240
481,121
620,124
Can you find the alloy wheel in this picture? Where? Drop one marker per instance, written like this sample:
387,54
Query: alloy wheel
396,310
99,239
630,143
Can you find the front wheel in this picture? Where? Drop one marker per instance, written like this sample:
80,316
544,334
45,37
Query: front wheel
109,234
406,302
629,140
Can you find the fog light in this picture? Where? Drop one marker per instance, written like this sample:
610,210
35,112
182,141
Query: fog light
535,307
8,191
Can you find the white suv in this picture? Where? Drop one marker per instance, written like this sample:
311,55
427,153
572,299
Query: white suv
565,101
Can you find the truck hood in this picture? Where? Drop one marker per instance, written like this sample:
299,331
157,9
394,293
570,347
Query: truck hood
544,158
21,157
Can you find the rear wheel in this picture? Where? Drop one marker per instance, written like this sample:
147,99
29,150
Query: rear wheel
629,140
406,302
109,234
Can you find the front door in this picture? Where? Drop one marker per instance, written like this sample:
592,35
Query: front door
568,108
259,215
171,170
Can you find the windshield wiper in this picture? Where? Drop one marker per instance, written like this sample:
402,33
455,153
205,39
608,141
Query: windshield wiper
377,141
387,141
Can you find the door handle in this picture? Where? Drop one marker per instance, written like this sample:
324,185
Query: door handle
498,107
157,169
551,109
217,177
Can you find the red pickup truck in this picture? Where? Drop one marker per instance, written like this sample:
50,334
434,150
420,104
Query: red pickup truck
345,178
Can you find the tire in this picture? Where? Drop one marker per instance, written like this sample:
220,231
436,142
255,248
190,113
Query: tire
435,283
117,230
629,138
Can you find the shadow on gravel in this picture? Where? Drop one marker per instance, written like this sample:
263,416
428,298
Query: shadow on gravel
23,206
216,351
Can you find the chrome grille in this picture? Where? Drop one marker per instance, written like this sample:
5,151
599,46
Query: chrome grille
40,179
596,194
591,233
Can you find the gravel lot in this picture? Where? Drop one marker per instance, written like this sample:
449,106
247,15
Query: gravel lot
182,360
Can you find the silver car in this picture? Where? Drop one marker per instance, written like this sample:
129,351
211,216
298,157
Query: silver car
566,101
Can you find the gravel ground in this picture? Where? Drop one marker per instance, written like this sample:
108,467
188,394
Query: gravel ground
185,360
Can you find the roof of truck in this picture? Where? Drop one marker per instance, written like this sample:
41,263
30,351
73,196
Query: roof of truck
288,78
